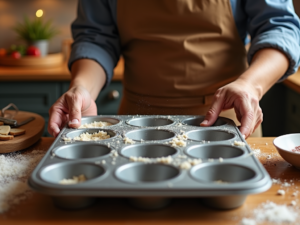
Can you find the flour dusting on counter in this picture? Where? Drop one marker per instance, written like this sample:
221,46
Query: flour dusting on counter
15,169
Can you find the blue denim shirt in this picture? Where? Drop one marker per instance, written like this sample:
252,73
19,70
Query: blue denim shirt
269,23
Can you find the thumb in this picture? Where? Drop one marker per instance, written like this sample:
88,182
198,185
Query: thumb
74,105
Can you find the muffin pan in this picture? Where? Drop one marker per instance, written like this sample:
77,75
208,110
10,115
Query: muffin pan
142,162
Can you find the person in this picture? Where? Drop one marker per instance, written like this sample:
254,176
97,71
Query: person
181,57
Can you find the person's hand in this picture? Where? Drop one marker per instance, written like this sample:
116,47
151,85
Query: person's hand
244,98
69,108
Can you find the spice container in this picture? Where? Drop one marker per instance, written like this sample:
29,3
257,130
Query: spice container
150,160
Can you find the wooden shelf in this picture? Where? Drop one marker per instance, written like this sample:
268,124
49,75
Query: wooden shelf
33,61
53,73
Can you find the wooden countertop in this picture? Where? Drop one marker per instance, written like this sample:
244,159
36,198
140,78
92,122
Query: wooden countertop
293,81
58,73
39,209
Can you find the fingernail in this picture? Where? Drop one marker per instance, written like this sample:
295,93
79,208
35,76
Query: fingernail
204,122
74,121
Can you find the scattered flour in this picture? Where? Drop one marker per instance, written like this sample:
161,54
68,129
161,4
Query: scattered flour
179,141
163,160
74,180
96,124
281,192
101,135
194,162
128,140
67,139
256,152
15,169
293,203
246,221
176,142
185,165
239,143
272,213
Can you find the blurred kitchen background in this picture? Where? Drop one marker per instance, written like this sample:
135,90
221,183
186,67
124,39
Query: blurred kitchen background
36,90
61,12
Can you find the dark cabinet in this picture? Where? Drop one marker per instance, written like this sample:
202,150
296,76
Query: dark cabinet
38,97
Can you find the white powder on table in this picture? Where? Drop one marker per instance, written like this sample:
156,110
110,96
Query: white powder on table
272,213
246,221
15,169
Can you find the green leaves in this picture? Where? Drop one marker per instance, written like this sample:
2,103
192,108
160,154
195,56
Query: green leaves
36,29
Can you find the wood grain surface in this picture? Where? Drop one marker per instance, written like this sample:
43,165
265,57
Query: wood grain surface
39,209
33,132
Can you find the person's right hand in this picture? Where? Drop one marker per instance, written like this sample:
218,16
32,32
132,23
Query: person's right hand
69,108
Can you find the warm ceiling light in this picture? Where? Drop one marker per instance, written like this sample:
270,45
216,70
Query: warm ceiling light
39,13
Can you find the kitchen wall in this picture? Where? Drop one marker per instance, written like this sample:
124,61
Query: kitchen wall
61,12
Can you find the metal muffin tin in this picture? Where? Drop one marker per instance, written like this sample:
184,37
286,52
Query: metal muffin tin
225,177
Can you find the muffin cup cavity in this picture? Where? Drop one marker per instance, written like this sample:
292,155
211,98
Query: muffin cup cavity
209,135
148,151
195,121
214,151
81,151
77,134
150,122
222,173
96,119
146,173
56,173
150,134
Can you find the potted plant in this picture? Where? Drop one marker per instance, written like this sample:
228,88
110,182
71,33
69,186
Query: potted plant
36,32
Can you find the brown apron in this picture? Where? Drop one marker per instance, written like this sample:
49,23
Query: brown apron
177,54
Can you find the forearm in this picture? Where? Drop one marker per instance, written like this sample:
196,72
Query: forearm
267,67
88,74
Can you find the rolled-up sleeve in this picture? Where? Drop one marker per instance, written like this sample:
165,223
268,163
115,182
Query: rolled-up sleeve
274,24
95,36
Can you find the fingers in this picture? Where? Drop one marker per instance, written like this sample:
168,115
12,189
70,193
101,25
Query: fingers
69,108
250,115
56,118
214,111
243,99
247,123
74,103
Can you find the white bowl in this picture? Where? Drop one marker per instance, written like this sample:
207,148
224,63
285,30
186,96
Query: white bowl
284,145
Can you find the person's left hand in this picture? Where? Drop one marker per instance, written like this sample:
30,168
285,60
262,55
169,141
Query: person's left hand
244,98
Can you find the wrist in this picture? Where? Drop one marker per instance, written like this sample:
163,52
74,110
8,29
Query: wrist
256,87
